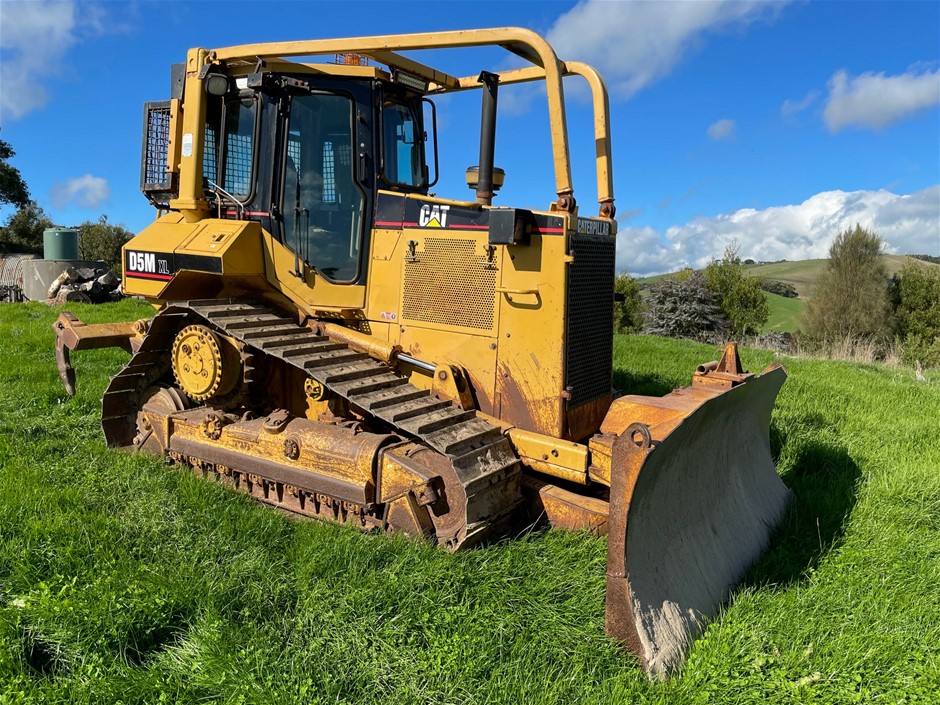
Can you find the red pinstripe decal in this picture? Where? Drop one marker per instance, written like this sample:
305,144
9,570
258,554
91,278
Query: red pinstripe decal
144,275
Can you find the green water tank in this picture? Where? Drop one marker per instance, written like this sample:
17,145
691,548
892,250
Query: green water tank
59,243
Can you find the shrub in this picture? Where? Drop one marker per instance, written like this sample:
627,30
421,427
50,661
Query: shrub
627,304
739,295
102,241
685,308
779,288
917,308
850,299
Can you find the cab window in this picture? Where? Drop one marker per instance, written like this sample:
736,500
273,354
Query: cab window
402,163
229,144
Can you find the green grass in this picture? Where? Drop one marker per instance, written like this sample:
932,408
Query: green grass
784,313
123,581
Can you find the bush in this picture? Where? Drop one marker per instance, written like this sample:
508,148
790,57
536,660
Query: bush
739,295
779,288
685,308
917,308
102,241
627,304
850,299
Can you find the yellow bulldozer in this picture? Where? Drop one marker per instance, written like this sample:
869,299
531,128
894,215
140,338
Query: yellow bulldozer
333,338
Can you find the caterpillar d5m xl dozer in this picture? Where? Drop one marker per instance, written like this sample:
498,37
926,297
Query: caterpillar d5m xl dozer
336,340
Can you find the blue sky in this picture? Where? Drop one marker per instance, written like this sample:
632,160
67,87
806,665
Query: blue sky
772,124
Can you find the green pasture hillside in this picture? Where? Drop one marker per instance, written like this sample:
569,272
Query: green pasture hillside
785,313
802,275
123,580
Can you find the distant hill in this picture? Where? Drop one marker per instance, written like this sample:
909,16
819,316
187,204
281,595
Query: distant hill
802,275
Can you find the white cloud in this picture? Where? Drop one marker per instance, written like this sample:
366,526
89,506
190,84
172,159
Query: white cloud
792,107
35,39
635,43
909,224
84,191
721,130
875,100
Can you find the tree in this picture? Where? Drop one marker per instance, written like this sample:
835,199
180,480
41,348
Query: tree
685,308
739,295
13,189
627,304
917,293
850,299
23,230
102,241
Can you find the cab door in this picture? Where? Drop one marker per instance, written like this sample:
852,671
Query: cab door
325,200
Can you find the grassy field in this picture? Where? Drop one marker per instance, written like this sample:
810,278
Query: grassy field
784,313
122,581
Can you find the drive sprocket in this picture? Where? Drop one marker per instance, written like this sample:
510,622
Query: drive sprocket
205,365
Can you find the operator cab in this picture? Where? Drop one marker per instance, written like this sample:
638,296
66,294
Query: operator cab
305,154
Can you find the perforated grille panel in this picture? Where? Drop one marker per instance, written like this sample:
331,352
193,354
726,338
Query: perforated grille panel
155,181
238,149
589,354
210,155
448,283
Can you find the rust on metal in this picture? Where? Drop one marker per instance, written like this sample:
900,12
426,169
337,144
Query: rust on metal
724,373
563,459
72,334
693,492
564,509
450,382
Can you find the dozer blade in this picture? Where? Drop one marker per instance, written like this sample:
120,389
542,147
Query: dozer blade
693,498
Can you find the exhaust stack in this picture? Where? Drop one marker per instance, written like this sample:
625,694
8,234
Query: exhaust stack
490,83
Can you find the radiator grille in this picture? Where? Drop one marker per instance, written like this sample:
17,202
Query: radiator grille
590,321
155,181
448,283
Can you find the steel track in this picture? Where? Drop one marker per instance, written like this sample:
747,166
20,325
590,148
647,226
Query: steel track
482,456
